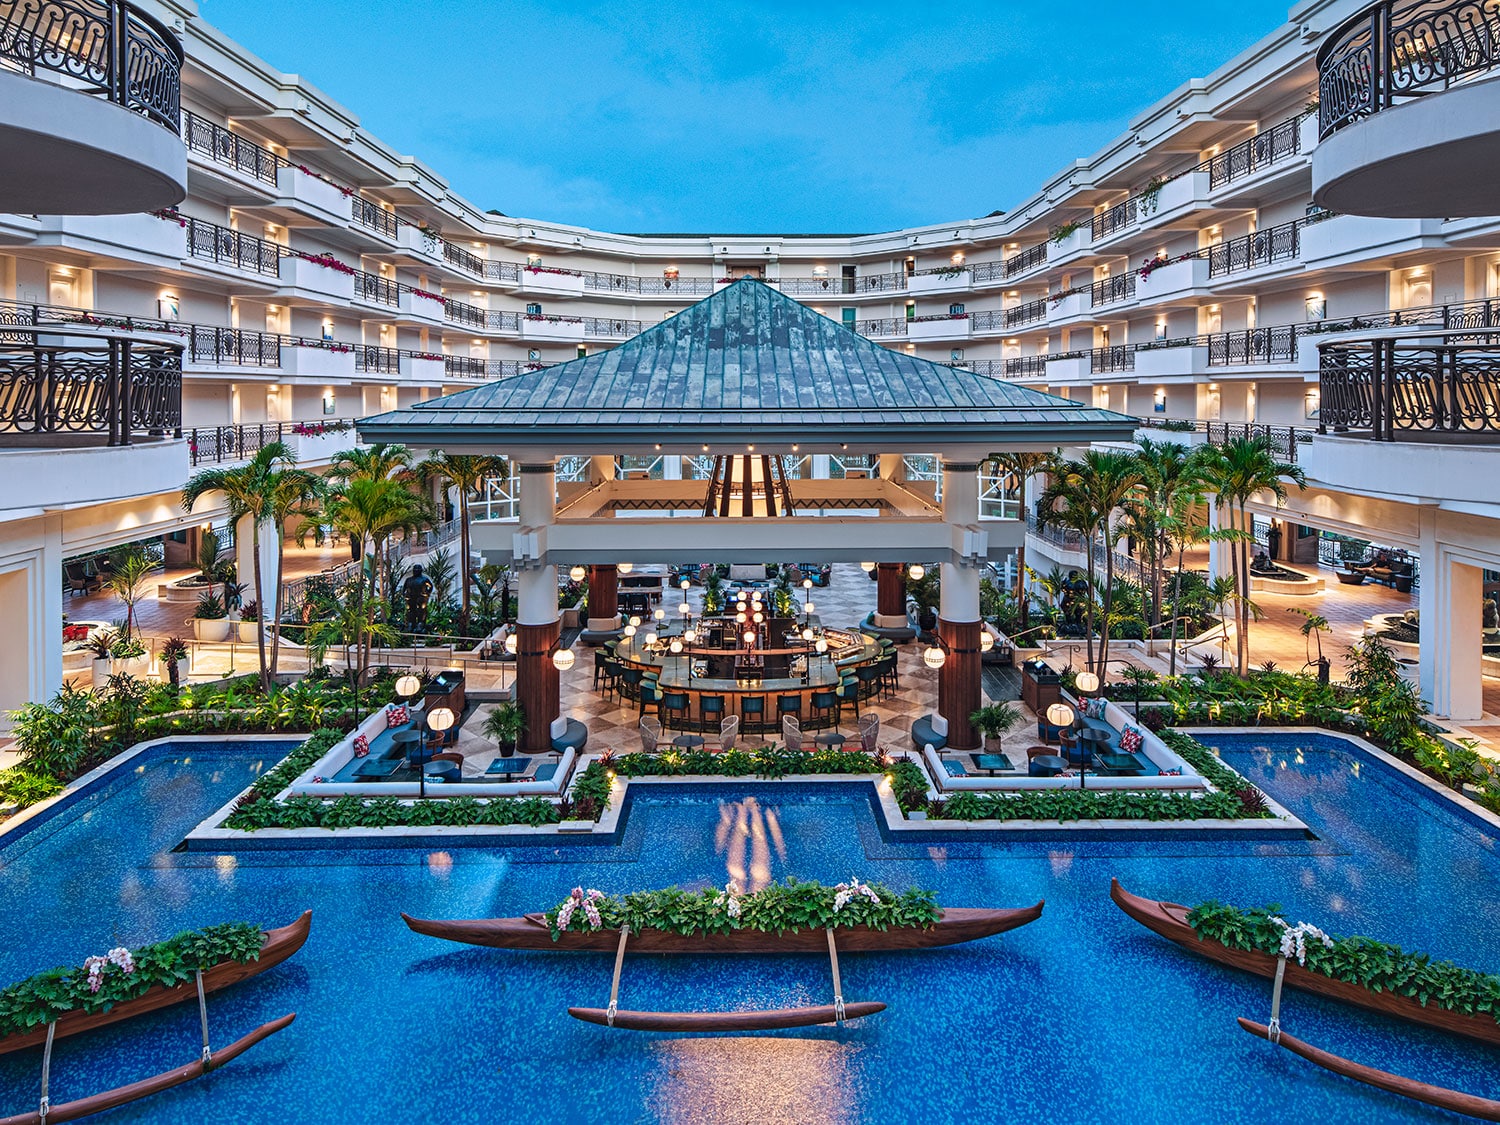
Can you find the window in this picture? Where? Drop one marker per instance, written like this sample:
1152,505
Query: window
911,310
582,351
534,308
956,309
847,315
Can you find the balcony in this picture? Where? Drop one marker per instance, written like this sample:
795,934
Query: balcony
464,367
373,218
1032,258
468,316
881,328
372,289
603,328
1177,196
557,329
420,242
315,280
498,320
311,443
1027,367
331,362
1031,312
1408,127
1249,159
141,239
624,285
987,322
548,282
251,163
311,196
1072,367
1113,221
231,249
1112,360
1065,244
1258,250
92,110
1177,282
1182,364
948,326
233,347
372,360
1071,304
1350,239
1404,390
461,259
944,279
1112,290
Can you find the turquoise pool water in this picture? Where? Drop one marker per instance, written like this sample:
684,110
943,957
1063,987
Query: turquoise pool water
1082,1016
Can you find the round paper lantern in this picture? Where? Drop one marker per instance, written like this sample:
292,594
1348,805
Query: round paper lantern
626,568
440,719
868,568
675,646
934,657
578,574
408,686
563,659
1088,683
1060,715
917,571
821,645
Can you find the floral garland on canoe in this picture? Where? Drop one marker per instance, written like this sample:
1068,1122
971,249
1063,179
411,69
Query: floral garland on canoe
776,908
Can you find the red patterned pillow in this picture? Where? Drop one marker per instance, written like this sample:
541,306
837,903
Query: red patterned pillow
1131,740
397,716
361,746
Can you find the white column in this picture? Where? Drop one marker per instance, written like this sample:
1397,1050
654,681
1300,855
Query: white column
960,590
892,466
536,586
1451,599
600,469
820,466
244,562
671,467
1220,557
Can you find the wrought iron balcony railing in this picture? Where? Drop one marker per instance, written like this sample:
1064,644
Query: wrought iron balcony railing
213,243
1027,366
610,329
1109,359
233,347
1116,219
1283,440
595,282
1394,388
1028,313
459,313
1258,152
1402,49
212,140
460,258
464,367
1112,290
1026,260
374,217
107,47
382,361
881,326
376,289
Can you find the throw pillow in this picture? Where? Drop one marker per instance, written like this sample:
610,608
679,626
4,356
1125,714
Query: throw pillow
1094,708
1176,771
398,716
361,746
1131,740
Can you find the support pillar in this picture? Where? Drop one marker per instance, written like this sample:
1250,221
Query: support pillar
1220,554
604,598
537,624
960,691
244,563
1451,598
890,596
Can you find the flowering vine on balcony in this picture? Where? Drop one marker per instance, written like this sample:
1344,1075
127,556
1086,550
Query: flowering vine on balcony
1151,265
438,297
942,316
327,261
553,269
554,319
1058,297
170,214
344,191
439,356
318,429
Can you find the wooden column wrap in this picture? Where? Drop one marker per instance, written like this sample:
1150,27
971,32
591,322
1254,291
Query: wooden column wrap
604,591
537,684
890,594
960,692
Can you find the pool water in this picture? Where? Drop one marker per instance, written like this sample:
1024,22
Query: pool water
1082,1016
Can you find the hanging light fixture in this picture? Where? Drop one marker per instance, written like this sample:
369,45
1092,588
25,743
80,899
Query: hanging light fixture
629,630
675,646
626,568
1087,683
578,574
749,638
650,639
807,634
690,635
934,657
917,572
741,617
822,644
868,568
563,659
636,621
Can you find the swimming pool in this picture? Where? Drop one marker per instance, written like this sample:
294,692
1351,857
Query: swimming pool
1082,1016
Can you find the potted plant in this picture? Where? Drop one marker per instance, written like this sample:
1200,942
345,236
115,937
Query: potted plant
993,721
504,725
210,621
174,655
1314,625
128,656
249,625
924,593
99,643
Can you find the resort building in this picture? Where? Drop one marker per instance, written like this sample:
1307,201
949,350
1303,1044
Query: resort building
237,261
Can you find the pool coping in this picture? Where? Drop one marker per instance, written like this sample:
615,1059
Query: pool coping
1457,801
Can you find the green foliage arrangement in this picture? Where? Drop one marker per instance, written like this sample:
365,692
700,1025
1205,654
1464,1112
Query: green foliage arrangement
22,787
387,812
47,995
1235,799
1371,964
768,761
908,784
773,909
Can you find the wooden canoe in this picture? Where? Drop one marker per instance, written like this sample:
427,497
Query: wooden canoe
1441,1096
530,931
280,944
72,1111
1169,919
765,1019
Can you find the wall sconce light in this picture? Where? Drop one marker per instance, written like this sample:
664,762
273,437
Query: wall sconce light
626,568
577,574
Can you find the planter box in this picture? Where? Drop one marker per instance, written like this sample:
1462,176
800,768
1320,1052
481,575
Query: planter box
247,631
1177,281
312,196
551,284
318,363
568,331
575,825
1077,242
420,308
175,593
947,328
1071,307
960,282
313,282
412,240
99,672
422,370
1186,191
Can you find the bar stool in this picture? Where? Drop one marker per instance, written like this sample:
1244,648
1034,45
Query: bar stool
601,665
630,682
848,692
710,711
887,668
674,707
650,693
824,708
612,671
869,680
753,714
788,705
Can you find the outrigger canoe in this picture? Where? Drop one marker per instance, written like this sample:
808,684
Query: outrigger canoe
763,1019
1441,1096
122,1095
279,944
1169,919
530,931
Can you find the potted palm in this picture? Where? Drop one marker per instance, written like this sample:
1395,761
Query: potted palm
504,725
210,621
993,721
100,643
174,656
128,656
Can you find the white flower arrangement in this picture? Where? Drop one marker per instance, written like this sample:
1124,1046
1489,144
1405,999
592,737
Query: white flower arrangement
853,889
95,965
729,898
584,900
1294,939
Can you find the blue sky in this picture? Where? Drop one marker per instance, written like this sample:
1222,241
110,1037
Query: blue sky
726,117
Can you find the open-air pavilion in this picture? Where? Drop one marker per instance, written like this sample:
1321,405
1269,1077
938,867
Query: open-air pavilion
754,383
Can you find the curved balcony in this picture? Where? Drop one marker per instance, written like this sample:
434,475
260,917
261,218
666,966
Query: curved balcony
1408,113
90,91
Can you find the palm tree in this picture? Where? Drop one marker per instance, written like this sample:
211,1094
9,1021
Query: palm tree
466,473
1083,495
295,492
253,492
369,511
1237,471
380,461
1022,466
1169,472
352,626
129,567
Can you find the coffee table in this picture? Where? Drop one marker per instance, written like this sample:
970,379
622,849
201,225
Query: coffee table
508,765
832,739
993,762
687,742
1052,762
